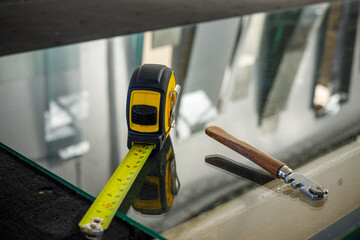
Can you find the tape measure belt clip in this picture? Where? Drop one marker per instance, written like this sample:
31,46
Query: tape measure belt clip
174,97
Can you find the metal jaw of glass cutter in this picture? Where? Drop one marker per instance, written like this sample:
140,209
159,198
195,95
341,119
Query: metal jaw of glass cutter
308,187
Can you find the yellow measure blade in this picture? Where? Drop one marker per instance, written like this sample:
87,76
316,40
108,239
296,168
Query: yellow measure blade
115,190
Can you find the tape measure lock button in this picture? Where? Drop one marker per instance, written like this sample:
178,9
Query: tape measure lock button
144,114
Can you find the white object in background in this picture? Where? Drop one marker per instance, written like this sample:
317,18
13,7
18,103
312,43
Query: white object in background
195,108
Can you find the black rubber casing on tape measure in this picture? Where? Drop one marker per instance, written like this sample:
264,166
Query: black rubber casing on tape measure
149,77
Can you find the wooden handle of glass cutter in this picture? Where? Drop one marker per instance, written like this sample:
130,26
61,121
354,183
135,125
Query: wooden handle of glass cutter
270,164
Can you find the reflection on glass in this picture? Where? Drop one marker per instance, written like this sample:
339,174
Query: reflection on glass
260,177
161,184
266,77
336,44
68,104
154,190
283,37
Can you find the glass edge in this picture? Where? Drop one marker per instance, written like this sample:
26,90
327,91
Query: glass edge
353,233
80,191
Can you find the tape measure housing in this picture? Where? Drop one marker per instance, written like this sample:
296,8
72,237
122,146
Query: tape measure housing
151,101
149,98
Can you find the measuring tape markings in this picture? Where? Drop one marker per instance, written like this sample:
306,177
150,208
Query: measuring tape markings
151,86
114,192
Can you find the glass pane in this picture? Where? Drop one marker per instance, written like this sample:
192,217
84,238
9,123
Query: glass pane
286,82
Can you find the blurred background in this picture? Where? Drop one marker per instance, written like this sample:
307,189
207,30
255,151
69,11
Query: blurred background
286,82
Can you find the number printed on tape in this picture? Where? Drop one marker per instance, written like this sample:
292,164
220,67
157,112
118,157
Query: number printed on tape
114,192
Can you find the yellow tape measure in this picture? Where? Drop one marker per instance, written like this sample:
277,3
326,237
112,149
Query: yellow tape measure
114,192
150,111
